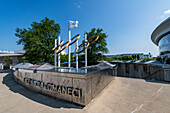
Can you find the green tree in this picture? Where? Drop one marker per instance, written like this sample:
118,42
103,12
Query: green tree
94,50
153,58
146,59
115,58
64,58
38,40
125,58
107,59
158,58
81,57
7,59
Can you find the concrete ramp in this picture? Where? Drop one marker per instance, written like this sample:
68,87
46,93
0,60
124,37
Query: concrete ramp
128,95
123,95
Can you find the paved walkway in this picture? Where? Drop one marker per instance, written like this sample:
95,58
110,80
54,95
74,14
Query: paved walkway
123,95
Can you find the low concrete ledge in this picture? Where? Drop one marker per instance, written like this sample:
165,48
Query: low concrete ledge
166,69
78,88
158,72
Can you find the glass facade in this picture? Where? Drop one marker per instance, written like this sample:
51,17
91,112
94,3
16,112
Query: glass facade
164,45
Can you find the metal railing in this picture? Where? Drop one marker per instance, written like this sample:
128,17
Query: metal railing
152,74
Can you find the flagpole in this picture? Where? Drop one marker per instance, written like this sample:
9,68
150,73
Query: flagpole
59,53
55,63
69,47
77,55
85,51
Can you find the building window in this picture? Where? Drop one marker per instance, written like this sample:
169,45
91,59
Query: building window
164,45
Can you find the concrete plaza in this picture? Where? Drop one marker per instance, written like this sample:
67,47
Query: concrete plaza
123,95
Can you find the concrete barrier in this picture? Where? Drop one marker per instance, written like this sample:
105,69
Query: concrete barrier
78,88
158,72
166,73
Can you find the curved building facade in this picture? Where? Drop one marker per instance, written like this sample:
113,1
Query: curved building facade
161,37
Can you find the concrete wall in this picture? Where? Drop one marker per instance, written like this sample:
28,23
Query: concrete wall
144,71
15,60
73,87
166,73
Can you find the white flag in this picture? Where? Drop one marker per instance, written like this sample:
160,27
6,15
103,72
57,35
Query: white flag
73,24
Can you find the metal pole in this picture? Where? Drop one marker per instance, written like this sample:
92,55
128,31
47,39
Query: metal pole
59,53
85,51
69,47
77,55
55,63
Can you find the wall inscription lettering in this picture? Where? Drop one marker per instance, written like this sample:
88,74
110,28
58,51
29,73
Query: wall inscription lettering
76,92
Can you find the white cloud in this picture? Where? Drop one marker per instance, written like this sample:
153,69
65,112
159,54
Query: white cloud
167,12
63,52
78,4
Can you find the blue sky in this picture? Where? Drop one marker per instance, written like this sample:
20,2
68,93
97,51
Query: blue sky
128,23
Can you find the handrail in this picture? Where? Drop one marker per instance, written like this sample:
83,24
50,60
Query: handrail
152,74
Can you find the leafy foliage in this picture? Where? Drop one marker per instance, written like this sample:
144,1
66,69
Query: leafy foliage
64,58
124,58
7,59
146,59
38,40
158,59
94,51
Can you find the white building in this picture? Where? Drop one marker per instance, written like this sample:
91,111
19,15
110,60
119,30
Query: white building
16,57
134,55
161,37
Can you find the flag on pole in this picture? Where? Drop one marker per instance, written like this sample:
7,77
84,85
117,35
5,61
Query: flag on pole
73,24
